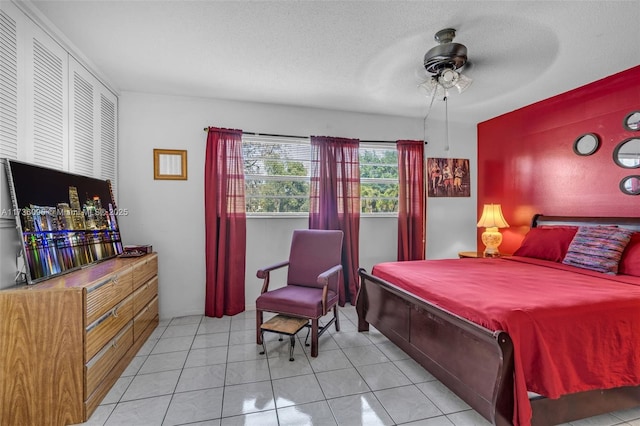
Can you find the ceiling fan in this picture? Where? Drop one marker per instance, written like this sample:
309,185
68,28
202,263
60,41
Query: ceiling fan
444,62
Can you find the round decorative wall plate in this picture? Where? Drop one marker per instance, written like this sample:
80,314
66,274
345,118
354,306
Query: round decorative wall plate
632,121
627,153
586,144
630,185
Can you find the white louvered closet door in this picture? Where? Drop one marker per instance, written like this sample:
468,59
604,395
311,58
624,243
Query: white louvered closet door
47,102
8,86
12,104
92,125
83,126
34,95
108,139
12,121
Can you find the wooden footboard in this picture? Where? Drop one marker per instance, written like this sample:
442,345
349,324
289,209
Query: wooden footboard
472,361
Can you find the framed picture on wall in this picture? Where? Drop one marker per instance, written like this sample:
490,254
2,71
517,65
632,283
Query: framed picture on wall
448,177
169,164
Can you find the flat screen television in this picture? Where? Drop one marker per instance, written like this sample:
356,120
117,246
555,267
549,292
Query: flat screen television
66,221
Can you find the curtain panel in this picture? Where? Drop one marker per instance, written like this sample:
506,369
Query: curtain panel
411,200
334,201
225,223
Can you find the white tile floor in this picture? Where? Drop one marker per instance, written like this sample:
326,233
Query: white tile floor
208,371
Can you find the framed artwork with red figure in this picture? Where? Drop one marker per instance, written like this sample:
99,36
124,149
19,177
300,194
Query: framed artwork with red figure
448,177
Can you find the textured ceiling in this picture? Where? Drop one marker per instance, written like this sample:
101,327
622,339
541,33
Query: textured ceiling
363,56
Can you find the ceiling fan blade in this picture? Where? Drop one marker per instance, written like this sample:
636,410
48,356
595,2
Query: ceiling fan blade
468,66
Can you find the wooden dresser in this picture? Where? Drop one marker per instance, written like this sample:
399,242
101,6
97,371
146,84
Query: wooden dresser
64,342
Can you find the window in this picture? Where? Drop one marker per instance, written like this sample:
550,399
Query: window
277,174
378,178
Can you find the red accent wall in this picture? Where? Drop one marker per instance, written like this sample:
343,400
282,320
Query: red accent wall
526,160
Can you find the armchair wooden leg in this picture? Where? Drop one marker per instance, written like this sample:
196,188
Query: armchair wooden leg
258,327
335,314
314,337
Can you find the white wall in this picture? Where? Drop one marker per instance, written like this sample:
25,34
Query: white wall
451,222
169,214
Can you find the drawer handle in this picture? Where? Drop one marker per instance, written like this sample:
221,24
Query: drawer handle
114,345
111,280
115,312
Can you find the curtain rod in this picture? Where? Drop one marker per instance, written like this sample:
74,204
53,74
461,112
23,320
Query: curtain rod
206,129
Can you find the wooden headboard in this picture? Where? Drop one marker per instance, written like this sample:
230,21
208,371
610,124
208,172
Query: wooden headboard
623,222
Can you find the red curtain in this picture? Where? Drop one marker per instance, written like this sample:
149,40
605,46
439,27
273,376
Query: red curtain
411,201
335,201
225,223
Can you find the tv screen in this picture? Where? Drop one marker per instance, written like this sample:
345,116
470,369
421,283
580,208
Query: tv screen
66,221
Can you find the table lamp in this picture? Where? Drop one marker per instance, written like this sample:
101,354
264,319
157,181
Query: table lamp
491,220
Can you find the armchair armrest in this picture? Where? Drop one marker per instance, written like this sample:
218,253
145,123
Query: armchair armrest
325,280
264,274
324,277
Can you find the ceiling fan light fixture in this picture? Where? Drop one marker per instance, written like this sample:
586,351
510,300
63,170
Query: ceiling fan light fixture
433,88
462,83
448,78
438,85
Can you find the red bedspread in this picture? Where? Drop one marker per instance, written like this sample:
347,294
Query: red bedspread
572,329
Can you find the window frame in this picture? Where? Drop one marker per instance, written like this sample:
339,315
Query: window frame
266,139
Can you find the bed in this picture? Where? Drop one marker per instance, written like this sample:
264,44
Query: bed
535,338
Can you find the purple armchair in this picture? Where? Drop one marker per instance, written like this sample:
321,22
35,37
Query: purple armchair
313,276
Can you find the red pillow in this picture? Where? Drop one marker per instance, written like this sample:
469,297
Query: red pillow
547,242
630,260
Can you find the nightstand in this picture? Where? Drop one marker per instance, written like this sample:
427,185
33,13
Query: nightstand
475,254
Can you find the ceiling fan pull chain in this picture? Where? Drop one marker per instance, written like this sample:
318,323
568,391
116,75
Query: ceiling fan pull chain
424,122
446,121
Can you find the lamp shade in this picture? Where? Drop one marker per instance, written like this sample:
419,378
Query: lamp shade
492,217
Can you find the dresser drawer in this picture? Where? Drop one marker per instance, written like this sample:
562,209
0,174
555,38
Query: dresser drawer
102,330
144,318
143,295
104,295
101,364
145,270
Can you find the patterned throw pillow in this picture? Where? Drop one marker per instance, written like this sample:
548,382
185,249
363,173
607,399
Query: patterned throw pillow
598,248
